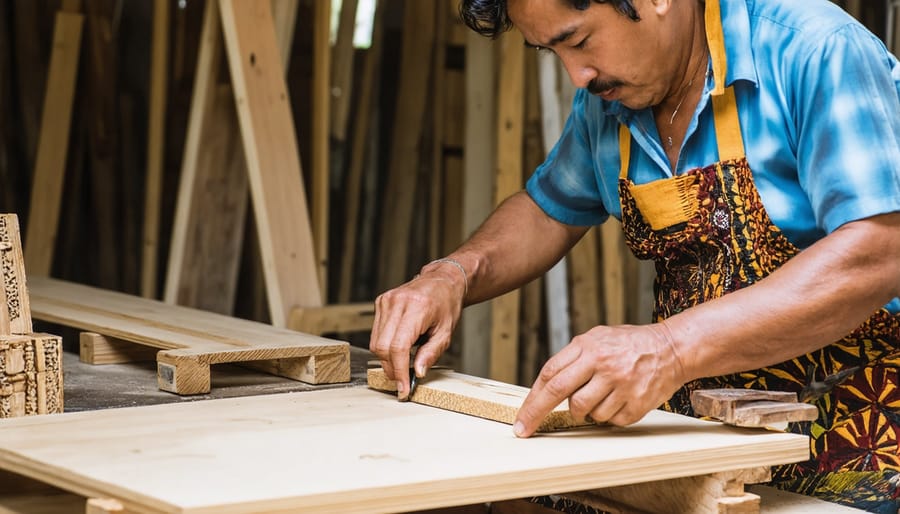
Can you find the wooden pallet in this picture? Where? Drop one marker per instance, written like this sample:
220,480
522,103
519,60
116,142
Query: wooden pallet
357,450
190,340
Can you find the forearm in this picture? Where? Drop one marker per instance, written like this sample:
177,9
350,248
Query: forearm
816,298
517,243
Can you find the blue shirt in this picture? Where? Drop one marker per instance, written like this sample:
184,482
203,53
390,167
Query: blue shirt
818,97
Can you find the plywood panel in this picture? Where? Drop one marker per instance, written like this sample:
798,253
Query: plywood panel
356,450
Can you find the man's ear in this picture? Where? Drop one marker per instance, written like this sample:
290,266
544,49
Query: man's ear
660,7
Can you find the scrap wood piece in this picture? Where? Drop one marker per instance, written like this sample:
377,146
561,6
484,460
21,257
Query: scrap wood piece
481,397
192,339
751,407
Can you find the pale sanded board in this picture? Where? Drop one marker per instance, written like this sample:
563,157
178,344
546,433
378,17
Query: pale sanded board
354,450
481,397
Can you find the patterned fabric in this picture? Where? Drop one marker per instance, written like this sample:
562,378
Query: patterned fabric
731,243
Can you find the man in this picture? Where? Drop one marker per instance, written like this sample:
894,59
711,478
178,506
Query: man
766,278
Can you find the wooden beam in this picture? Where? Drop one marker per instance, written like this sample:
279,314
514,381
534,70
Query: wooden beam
358,155
273,160
400,191
53,144
342,70
94,348
348,317
508,180
159,83
481,397
554,112
321,103
284,12
478,158
613,263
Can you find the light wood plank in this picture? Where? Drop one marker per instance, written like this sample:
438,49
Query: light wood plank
480,149
508,180
284,12
273,161
350,450
613,264
53,144
481,397
554,112
321,106
347,317
409,116
156,119
96,349
193,339
359,154
342,70
584,283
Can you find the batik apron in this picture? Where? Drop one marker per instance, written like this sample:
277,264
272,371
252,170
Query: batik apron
709,234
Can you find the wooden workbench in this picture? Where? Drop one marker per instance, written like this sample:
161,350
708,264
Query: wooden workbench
355,450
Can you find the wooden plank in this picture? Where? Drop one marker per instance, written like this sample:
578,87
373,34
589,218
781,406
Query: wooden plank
508,180
613,264
53,144
15,304
554,112
156,121
273,161
350,450
94,348
435,195
342,70
193,339
358,155
480,146
751,407
481,397
284,12
409,116
347,317
321,104
194,208
584,283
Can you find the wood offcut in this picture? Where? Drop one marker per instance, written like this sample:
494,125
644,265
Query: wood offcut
751,407
481,397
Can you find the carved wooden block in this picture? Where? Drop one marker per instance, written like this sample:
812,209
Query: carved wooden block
31,380
15,311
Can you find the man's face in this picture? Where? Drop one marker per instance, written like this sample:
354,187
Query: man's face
603,50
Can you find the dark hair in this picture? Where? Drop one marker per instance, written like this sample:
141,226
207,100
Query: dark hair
489,17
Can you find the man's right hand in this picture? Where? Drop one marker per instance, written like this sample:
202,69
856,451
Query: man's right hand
429,304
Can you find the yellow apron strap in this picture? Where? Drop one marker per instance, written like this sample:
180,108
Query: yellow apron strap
715,39
728,127
624,150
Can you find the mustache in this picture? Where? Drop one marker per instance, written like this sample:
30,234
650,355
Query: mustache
598,86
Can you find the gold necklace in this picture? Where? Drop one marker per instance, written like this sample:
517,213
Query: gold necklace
675,112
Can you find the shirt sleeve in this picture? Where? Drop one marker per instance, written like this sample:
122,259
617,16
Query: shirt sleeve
565,185
848,146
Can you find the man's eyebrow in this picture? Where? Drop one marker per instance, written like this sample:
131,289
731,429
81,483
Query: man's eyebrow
557,39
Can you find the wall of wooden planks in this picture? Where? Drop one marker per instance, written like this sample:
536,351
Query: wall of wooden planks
404,146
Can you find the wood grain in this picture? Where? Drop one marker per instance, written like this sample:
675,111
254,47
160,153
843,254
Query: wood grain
192,339
481,397
273,159
355,450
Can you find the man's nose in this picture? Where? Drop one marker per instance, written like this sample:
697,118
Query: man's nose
581,74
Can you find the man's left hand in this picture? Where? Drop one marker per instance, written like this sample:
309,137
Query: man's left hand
611,375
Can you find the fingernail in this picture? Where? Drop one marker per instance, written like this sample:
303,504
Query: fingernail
400,388
519,429
420,371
